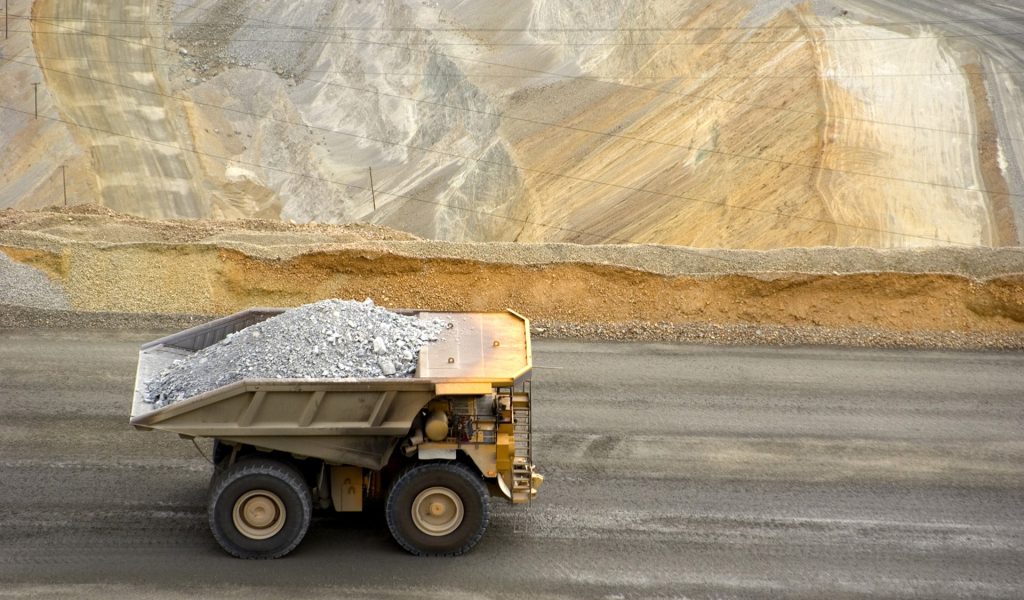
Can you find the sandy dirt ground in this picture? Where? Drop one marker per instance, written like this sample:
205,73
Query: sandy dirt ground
740,125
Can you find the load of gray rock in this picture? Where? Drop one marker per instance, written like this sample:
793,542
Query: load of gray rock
332,339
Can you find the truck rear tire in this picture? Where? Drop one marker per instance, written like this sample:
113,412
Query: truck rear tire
438,509
259,508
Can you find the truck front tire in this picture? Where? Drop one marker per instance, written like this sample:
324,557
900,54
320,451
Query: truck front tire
438,509
259,508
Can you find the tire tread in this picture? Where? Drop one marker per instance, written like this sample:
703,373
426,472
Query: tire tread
407,478
267,467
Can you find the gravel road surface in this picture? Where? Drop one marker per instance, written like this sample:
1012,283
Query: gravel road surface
672,471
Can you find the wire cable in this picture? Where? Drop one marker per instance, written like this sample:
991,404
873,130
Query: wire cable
775,213
379,93
593,181
473,75
435,43
276,26
587,79
235,161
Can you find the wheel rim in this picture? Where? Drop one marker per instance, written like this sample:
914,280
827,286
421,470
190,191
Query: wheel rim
259,514
437,511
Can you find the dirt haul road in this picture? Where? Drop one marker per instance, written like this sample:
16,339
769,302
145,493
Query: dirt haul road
673,471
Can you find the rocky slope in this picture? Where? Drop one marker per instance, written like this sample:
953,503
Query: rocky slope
754,124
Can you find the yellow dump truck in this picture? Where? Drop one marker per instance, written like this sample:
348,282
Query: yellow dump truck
434,447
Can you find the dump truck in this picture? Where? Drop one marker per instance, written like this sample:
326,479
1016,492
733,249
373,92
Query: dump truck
434,447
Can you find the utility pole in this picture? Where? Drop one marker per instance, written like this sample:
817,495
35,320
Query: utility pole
64,181
373,194
35,86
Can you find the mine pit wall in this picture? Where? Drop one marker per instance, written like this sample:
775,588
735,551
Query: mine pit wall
208,279
1006,233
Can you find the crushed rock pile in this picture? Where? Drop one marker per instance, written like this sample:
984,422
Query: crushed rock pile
332,339
22,285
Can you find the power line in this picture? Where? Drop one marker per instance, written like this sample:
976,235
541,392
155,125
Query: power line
491,44
698,253
560,126
601,81
621,186
388,142
226,159
277,26
580,78
694,252
619,84
517,167
472,75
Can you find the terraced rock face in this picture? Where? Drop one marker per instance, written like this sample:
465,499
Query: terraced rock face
755,124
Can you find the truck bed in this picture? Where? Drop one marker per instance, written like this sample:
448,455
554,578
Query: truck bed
345,421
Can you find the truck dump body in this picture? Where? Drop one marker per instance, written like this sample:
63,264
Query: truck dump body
342,421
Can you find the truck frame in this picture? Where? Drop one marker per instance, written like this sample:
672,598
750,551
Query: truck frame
434,447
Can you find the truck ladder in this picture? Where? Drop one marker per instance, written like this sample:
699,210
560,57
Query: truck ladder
522,462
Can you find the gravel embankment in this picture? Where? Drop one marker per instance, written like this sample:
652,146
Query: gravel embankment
26,317
23,285
947,297
18,317
771,335
332,339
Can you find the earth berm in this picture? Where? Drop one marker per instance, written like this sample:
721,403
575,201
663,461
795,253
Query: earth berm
105,262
